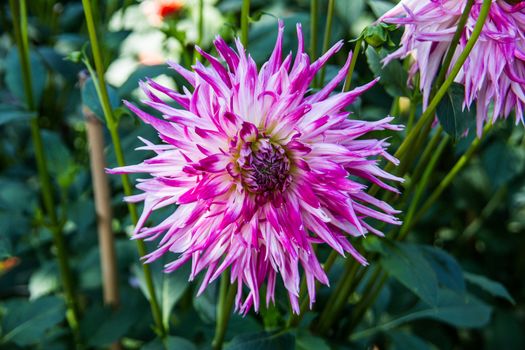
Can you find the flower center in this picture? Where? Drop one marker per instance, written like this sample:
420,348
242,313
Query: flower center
265,167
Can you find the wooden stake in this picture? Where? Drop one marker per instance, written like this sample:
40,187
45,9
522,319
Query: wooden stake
95,136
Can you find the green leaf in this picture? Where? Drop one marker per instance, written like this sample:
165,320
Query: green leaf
43,281
26,323
406,341
492,287
173,287
380,7
59,159
455,119
103,326
169,287
406,263
13,76
139,74
502,163
90,98
349,11
10,114
206,304
306,341
393,76
262,341
447,269
6,249
455,309
20,197
172,343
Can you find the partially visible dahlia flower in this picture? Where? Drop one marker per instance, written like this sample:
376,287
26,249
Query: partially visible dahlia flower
258,169
494,73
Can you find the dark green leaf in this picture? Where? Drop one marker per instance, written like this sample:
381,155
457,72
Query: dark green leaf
262,341
206,303
393,76
406,263
59,159
447,269
406,341
306,341
457,310
349,11
13,76
141,73
6,250
169,287
455,119
26,323
492,287
103,326
9,114
172,343
380,7
502,163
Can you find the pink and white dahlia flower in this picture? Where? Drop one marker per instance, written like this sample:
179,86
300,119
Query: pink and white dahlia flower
494,73
258,169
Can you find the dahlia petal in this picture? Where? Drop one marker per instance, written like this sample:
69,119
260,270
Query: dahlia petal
255,171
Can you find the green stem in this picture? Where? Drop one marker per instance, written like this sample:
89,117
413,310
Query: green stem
294,319
314,24
19,15
411,115
245,20
421,164
422,186
426,118
428,114
332,309
200,33
327,34
355,54
372,292
410,220
454,43
224,310
448,178
113,129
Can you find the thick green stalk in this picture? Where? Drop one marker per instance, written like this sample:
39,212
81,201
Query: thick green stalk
113,129
224,310
327,34
454,43
294,319
355,54
428,114
378,282
332,309
411,114
245,20
372,292
19,15
314,25
200,32
449,177
423,160
422,186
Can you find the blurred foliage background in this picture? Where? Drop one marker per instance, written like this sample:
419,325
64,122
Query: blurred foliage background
437,299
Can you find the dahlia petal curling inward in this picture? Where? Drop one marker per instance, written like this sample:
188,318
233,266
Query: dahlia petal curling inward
260,169
493,74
